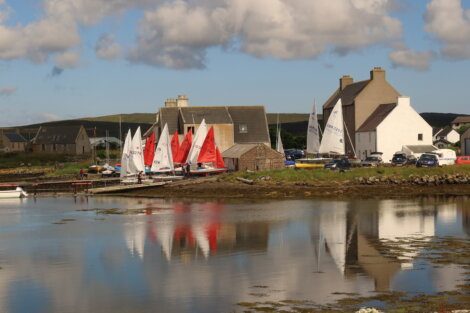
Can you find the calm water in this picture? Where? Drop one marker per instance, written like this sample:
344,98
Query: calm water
206,257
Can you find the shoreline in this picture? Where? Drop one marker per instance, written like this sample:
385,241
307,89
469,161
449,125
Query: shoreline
219,189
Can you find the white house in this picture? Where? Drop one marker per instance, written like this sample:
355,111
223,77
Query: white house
390,127
448,133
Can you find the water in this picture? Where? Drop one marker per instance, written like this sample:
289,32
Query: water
206,257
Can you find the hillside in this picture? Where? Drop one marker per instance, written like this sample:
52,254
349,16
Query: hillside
439,119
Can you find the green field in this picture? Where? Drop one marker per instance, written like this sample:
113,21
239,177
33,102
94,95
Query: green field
322,175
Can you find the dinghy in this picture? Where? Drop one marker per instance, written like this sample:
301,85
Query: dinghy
209,159
18,192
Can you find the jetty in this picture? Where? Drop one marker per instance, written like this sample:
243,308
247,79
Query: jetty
123,188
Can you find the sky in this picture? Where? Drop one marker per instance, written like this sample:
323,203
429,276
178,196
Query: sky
62,59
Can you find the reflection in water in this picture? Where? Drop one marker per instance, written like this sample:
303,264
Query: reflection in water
205,257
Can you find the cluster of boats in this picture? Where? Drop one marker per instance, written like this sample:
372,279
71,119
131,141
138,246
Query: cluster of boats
149,161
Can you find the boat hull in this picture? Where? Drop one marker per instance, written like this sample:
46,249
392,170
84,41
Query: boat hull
12,194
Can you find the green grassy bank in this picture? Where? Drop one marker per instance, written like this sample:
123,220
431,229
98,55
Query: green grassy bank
322,175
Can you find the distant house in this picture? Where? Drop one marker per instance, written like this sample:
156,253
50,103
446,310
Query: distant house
465,142
13,142
253,157
448,134
62,139
461,121
100,142
232,124
390,127
360,99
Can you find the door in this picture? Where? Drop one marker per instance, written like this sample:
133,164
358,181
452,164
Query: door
467,146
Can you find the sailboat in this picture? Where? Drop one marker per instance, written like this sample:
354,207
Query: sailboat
126,151
198,140
163,158
313,144
209,159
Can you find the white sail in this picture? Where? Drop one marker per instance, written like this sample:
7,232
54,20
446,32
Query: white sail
165,236
163,159
333,135
279,146
333,228
136,161
198,140
125,155
313,134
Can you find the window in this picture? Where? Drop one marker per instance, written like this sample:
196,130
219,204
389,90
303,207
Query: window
242,128
43,147
420,137
190,129
370,137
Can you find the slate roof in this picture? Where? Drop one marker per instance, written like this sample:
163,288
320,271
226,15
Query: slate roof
445,131
461,119
14,137
212,115
377,117
58,134
348,94
169,116
238,150
254,118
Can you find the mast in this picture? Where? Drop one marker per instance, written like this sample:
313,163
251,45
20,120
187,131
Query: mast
120,132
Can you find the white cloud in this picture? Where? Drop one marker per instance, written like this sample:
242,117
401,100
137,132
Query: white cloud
107,48
405,57
178,34
68,59
7,91
19,117
449,22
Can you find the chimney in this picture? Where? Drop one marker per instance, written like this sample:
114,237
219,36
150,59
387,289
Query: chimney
182,101
402,101
170,103
377,73
345,81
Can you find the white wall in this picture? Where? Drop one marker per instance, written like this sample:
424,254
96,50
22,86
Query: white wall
365,144
453,136
401,127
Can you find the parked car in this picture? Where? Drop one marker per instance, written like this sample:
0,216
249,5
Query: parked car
445,156
401,159
373,160
427,160
294,154
463,160
338,164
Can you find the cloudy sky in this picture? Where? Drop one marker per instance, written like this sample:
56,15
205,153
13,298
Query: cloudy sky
74,58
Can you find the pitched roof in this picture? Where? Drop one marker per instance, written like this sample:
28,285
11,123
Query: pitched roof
238,150
436,130
58,134
347,95
14,137
445,131
377,117
420,148
212,115
169,116
461,119
253,120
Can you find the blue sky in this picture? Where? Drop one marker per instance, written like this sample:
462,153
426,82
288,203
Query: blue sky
241,53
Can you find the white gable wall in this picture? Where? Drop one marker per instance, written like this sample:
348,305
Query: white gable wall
402,127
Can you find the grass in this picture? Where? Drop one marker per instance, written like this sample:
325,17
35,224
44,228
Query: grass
291,175
69,169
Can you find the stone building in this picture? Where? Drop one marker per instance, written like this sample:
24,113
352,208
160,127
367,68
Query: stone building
12,142
360,99
232,124
71,140
253,157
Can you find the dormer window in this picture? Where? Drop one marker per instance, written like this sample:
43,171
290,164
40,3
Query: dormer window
242,128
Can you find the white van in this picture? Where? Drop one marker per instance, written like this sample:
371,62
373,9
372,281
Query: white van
445,156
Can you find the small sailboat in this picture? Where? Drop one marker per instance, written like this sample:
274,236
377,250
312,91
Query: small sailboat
163,160
209,159
313,144
333,135
126,151
197,143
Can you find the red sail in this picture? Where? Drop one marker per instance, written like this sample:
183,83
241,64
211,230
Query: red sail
220,161
183,150
149,151
175,144
207,153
